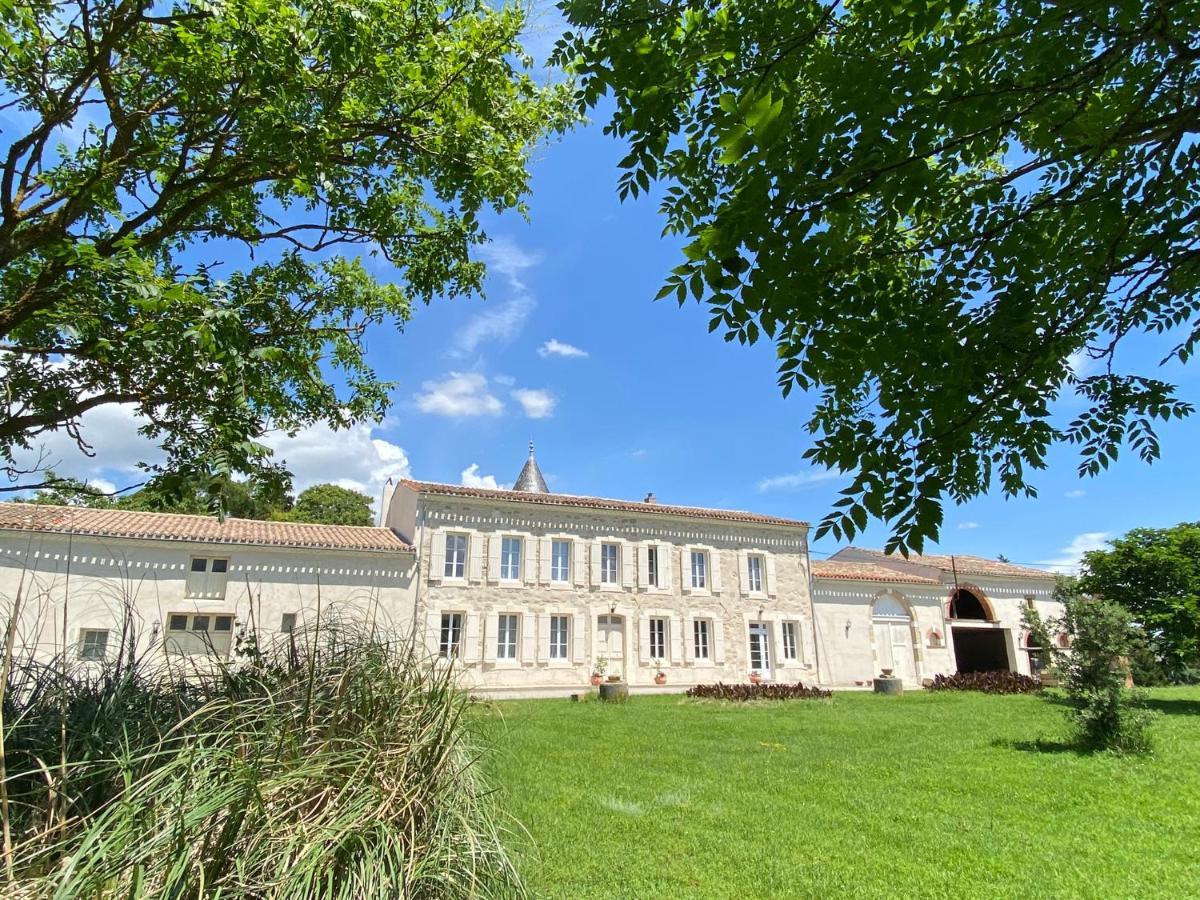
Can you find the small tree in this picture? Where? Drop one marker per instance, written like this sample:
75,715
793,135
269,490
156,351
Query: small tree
1039,636
1108,716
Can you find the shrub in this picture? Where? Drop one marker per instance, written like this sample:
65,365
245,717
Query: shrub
341,767
986,683
743,692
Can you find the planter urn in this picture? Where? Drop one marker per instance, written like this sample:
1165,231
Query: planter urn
596,680
660,678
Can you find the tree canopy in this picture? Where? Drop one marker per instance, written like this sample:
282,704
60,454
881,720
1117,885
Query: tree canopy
160,147
935,210
1155,574
330,504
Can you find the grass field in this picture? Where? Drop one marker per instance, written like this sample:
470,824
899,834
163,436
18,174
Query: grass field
948,795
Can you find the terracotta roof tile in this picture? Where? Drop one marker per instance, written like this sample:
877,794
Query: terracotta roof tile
204,529
963,565
571,500
864,571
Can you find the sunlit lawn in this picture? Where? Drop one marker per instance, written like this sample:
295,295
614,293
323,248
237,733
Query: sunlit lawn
862,796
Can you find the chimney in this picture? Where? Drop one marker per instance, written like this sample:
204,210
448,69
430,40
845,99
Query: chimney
650,498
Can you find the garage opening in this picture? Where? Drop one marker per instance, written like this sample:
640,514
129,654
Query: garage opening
980,650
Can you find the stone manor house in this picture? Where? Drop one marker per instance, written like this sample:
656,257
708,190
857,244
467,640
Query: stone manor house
526,590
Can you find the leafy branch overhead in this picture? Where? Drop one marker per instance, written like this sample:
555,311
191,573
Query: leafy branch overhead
945,215
185,204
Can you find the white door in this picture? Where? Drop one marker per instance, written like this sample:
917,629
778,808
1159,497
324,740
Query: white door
894,640
760,650
610,643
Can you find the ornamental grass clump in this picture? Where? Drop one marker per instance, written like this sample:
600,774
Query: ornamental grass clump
339,765
744,692
986,683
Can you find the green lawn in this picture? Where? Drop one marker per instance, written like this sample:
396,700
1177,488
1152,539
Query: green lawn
861,796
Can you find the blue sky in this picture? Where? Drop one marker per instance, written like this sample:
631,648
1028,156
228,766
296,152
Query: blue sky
623,395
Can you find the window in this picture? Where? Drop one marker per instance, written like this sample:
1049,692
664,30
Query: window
287,624
199,633
700,637
206,580
93,643
450,640
558,637
506,637
699,567
456,556
754,565
609,555
510,559
789,642
658,638
560,561
652,567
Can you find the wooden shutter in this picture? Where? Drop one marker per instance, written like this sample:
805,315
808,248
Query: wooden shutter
578,649
718,641
665,564
491,634
685,569
595,563
689,639
769,574
475,556
744,570
644,640
433,628
543,643
714,573
546,554
471,638
579,562
625,564
643,566
781,659
493,569
676,637
528,638
528,563
437,554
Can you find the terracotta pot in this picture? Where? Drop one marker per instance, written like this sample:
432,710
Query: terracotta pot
596,679
887,673
755,679
614,679
660,679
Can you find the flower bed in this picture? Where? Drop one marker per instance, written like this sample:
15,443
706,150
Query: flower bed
743,692
986,683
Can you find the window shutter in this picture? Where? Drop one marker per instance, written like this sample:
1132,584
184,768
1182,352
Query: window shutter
491,634
437,554
625,561
546,553
689,639
770,574
475,561
579,563
805,637
676,639
685,569
665,564
714,575
781,659
528,638
543,643
578,650
493,569
643,566
644,640
718,641
744,570
471,638
433,626
528,563
595,563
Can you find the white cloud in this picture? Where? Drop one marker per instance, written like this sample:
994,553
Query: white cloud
505,380
501,322
351,458
1067,560
509,259
797,480
555,347
968,526
472,478
103,485
1075,494
538,404
458,394
1082,364
638,453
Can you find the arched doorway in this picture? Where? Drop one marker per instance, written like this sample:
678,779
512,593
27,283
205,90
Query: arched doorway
979,645
891,622
967,604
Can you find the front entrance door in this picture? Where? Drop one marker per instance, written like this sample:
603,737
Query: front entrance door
610,643
760,650
894,640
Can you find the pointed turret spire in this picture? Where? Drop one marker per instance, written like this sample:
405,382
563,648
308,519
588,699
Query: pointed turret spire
530,479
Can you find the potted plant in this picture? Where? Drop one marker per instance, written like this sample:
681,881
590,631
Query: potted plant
598,670
660,677
755,677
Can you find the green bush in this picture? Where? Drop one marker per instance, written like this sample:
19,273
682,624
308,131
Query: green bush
340,766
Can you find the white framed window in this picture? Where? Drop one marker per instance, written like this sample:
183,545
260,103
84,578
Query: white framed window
560,562
450,639
658,638
197,633
754,573
510,559
701,638
652,566
506,636
206,578
789,642
456,556
559,632
610,557
287,623
93,643
699,570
